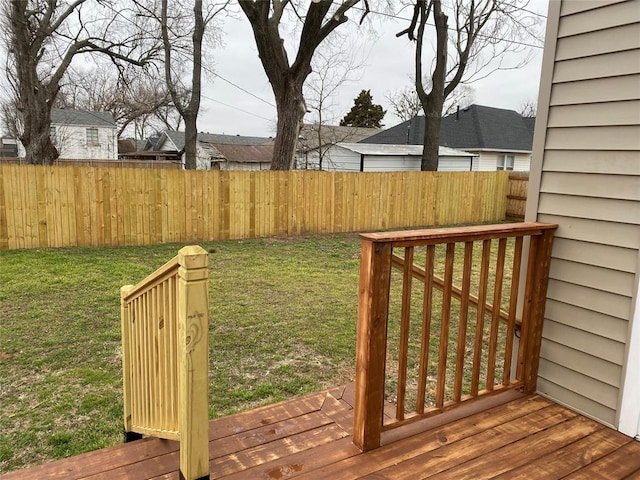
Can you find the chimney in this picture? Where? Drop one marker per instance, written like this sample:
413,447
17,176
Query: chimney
458,112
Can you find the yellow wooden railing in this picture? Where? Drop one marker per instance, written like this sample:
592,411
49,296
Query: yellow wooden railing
432,346
165,358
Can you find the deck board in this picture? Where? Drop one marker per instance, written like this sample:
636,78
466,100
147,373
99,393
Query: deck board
508,435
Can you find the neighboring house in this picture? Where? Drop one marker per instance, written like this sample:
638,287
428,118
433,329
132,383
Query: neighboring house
131,146
585,177
315,139
244,157
81,134
501,138
210,147
364,157
11,148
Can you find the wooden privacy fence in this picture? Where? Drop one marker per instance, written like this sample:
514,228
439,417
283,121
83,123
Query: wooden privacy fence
119,163
165,334
517,195
85,206
429,347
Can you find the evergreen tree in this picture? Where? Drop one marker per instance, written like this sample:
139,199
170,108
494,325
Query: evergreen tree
364,112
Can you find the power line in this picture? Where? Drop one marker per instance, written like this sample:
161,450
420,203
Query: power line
208,70
398,17
236,108
211,72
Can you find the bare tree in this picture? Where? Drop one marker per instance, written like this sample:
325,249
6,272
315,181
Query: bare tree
334,64
528,108
188,109
483,31
10,118
287,79
406,103
131,98
43,39
183,34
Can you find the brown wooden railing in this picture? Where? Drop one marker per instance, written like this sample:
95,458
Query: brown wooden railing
429,346
165,358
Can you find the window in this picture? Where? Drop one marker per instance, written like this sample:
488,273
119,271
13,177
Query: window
52,134
92,136
505,162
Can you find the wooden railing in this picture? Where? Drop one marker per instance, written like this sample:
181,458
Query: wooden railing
165,358
432,346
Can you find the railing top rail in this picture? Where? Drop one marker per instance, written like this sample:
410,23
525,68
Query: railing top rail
432,236
156,277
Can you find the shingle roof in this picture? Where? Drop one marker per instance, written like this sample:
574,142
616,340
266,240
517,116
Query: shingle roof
246,153
178,139
475,127
85,118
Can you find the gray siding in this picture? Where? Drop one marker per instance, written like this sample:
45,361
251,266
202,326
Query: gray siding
587,166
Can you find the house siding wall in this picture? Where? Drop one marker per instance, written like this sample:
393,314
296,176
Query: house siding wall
488,161
71,142
245,166
338,159
391,163
587,165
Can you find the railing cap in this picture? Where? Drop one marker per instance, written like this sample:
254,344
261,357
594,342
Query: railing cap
193,256
458,234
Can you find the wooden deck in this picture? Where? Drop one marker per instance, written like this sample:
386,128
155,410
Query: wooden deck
504,436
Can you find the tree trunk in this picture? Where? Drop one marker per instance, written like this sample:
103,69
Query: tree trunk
36,138
190,140
429,161
433,102
291,109
34,97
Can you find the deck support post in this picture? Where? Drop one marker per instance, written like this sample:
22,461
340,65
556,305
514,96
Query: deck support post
534,306
373,310
193,362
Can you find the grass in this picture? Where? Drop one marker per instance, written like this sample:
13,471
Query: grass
282,324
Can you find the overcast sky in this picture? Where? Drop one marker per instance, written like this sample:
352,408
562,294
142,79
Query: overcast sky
388,66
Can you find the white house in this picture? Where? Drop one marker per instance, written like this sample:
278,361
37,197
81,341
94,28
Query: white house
502,139
81,134
315,139
221,152
365,157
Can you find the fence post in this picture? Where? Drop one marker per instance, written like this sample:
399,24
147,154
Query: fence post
373,310
193,362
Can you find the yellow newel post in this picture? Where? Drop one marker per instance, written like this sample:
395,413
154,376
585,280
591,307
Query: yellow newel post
193,362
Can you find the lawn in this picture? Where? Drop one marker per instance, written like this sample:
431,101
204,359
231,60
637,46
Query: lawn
282,324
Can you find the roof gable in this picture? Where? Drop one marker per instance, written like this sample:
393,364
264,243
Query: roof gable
85,118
